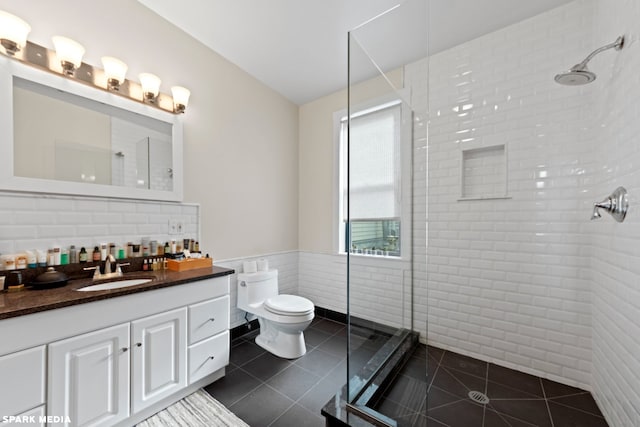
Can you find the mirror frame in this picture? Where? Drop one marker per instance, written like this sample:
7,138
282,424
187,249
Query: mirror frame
10,68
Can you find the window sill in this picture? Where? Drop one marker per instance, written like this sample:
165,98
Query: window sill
374,258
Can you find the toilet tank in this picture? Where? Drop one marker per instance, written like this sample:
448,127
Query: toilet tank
254,288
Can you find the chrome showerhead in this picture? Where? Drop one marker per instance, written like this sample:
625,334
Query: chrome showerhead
579,74
575,77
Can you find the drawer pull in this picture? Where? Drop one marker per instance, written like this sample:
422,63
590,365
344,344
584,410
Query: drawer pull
213,319
211,357
138,344
125,349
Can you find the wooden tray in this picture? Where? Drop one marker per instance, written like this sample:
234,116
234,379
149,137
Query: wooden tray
189,264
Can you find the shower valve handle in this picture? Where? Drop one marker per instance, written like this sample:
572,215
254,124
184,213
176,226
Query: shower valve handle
616,205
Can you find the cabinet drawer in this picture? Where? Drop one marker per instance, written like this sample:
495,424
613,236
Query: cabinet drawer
208,356
31,418
208,318
22,377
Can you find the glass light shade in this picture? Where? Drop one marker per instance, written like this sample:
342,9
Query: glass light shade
13,30
115,71
69,52
180,98
150,85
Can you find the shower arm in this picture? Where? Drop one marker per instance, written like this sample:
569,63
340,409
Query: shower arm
617,45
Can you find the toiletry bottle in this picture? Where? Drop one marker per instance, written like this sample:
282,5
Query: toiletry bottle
32,261
103,251
165,264
42,258
96,253
112,249
167,248
56,255
83,256
145,266
21,261
64,257
73,254
51,260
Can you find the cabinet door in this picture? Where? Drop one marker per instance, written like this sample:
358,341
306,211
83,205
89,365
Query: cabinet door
89,378
22,380
159,349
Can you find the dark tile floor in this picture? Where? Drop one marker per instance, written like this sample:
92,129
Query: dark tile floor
265,390
516,399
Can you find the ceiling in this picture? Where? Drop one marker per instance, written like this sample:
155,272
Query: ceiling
299,47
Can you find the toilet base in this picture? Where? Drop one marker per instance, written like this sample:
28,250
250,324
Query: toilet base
286,345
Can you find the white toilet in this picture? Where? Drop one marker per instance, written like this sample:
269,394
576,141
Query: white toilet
283,318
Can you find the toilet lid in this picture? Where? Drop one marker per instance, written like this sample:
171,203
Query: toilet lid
288,305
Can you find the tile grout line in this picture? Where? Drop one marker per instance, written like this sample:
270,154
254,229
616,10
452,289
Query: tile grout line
546,402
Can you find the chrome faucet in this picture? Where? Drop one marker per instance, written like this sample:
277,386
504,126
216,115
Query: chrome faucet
108,262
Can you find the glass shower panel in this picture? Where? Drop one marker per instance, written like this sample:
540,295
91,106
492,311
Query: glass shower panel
383,160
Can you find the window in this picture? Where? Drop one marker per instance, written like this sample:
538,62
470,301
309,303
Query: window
375,181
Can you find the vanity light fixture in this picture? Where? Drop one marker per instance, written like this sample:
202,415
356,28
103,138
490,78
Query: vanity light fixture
150,87
180,98
13,38
70,54
115,71
13,32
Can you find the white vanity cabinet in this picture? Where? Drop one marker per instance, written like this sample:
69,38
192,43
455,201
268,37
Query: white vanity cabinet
22,381
89,377
158,357
117,361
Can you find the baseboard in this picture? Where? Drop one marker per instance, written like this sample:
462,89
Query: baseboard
244,329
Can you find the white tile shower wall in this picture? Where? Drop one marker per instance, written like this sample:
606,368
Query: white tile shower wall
29,221
509,280
616,252
378,286
285,262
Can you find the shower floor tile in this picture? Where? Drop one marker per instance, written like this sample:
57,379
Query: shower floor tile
515,399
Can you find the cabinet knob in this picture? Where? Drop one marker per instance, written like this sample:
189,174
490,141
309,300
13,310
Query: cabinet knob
138,344
213,319
125,349
211,357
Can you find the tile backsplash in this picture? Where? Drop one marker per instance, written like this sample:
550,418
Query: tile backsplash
40,221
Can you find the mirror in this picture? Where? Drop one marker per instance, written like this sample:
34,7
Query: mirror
63,136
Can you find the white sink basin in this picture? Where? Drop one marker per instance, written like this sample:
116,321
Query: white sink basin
114,285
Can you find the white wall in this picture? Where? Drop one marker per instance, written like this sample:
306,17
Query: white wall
240,137
616,251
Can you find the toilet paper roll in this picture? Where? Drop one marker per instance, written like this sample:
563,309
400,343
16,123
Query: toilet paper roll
249,267
263,265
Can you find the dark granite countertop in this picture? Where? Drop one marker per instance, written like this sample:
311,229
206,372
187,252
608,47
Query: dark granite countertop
29,301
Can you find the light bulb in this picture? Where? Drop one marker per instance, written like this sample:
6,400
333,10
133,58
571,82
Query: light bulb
13,32
69,52
180,98
150,86
115,71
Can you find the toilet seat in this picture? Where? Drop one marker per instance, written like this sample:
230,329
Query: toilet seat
289,305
